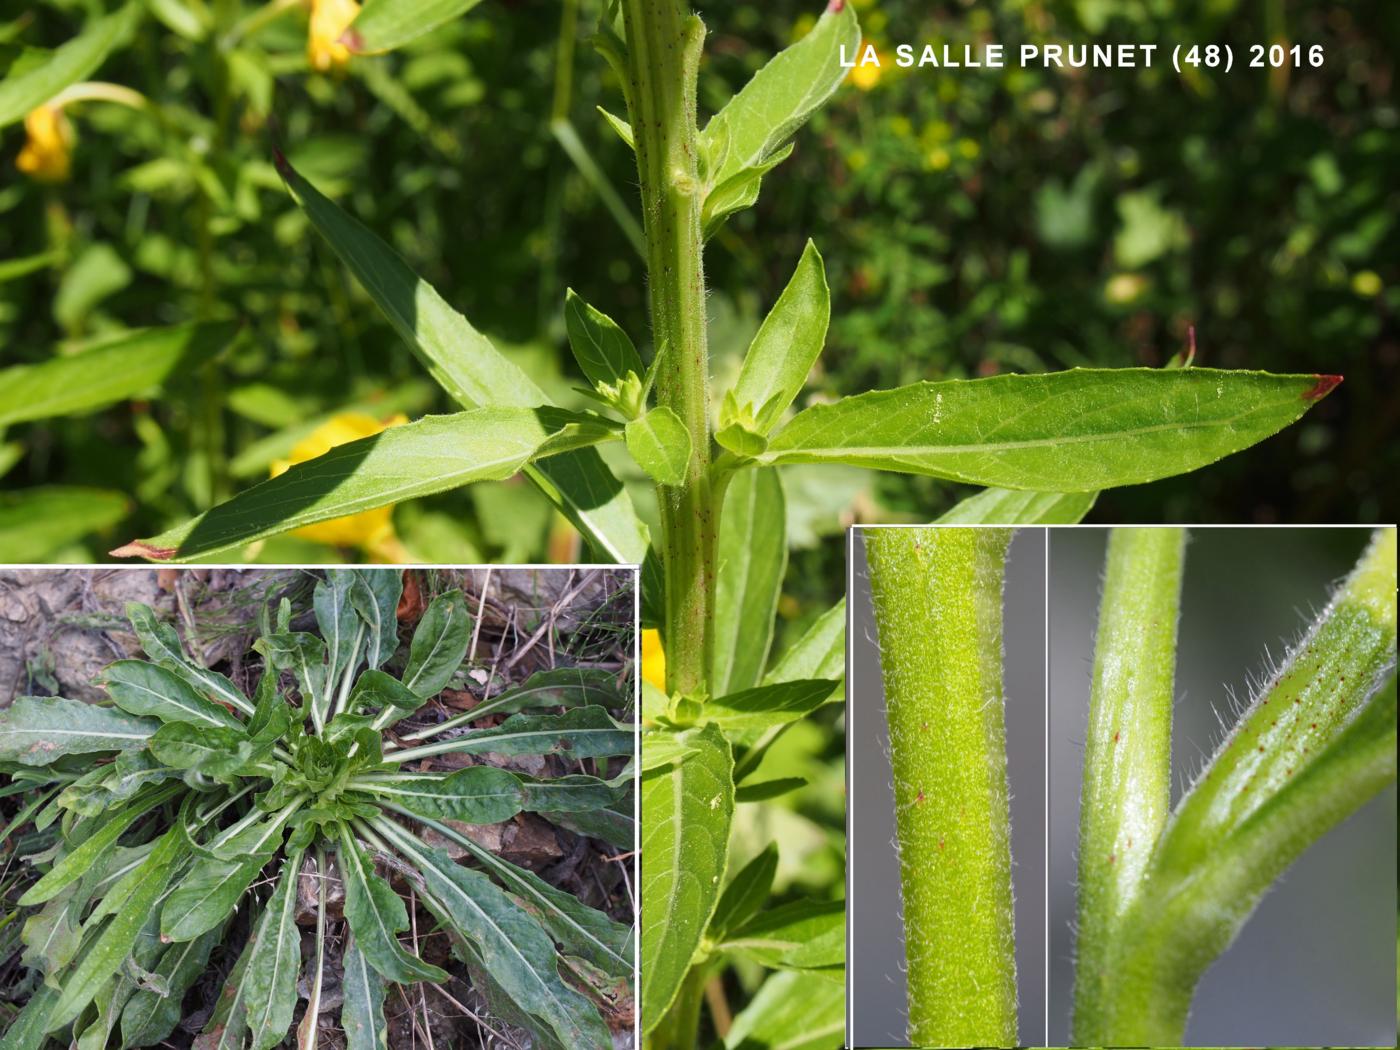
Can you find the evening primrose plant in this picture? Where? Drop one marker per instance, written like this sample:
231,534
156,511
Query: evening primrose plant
183,815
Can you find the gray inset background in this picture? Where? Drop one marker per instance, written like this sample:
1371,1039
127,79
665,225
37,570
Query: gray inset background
877,984
1315,964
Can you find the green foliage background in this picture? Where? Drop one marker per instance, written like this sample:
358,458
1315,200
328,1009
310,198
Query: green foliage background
973,221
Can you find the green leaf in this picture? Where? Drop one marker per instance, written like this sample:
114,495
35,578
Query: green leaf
1075,431
29,1030
376,914
737,192
129,365
623,129
431,455
513,947
768,705
379,689
269,982
803,935
686,809
162,645
37,730
580,930
340,625
781,96
383,25
792,1011
763,790
214,751
746,893
752,557
787,344
477,794
819,653
1008,507
616,824
148,1017
660,444
585,732
375,596
114,944
304,655
362,1014
473,372
439,644
604,351
36,522
570,794
209,891
142,688
74,61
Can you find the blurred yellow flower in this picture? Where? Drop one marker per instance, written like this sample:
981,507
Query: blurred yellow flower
653,659
1124,288
329,20
48,151
866,77
1367,283
372,531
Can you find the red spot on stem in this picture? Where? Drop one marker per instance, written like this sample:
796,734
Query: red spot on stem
1324,386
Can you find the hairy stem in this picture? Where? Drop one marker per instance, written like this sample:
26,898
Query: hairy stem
937,597
1127,758
1316,743
663,52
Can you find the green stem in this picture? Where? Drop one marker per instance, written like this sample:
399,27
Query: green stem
1317,742
1127,758
937,597
663,52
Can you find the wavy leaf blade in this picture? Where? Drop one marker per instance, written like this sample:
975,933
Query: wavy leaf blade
686,811
37,730
431,455
376,915
1075,431
439,644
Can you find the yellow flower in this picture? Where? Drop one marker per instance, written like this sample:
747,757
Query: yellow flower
329,20
866,76
653,659
370,530
48,152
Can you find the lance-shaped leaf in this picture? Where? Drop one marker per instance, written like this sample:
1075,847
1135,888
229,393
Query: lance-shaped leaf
383,25
803,935
162,645
560,687
29,1029
362,1012
1009,507
768,705
797,1011
660,444
268,985
737,192
74,61
376,914
781,96
686,807
375,596
431,455
379,689
605,353
787,344
477,794
150,1017
340,625
473,372
130,365
115,942
143,688
214,884
513,947
305,656
1074,431
749,579
82,857
746,893
616,824
580,930
571,794
37,730
439,644
819,653
585,732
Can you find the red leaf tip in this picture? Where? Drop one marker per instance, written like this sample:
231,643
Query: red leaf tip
137,549
836,6
1324,386
279,160
351,38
